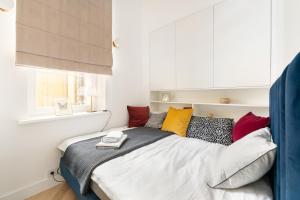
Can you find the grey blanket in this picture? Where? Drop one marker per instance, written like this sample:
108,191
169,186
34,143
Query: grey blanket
83,157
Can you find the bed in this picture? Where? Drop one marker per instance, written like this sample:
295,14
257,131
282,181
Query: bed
141,173
172,162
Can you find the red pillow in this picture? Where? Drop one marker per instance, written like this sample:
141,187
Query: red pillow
138,116
248,124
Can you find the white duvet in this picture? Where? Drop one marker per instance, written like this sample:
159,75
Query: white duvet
173,168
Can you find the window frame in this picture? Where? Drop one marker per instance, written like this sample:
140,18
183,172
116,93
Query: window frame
33,110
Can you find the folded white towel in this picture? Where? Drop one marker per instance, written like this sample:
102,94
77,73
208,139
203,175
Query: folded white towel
112,145
115,134
113,137
110,140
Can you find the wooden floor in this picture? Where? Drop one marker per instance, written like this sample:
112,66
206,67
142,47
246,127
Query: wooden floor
59,192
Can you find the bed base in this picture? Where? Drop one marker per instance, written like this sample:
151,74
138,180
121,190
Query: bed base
72,182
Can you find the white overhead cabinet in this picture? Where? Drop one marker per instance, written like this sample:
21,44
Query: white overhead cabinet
162,58
242,43
225,46
194,51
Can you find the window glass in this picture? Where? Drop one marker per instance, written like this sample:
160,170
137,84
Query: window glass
74,87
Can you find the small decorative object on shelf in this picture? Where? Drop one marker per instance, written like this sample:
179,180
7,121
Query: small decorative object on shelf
165,97
63,107
91,93
187,107
210,115
225,100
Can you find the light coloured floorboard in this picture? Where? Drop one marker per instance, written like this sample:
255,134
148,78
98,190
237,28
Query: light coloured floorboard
59,192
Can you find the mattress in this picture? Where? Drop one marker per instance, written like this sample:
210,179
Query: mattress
171,168
64,145
98,191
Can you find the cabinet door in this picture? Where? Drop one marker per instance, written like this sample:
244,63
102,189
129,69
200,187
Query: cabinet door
242,37
162,58
194,51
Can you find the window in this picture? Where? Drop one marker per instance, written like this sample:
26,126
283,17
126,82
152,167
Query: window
48,86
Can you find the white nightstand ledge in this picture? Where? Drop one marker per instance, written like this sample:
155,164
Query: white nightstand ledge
49,118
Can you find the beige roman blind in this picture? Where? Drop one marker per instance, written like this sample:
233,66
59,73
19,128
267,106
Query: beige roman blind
74,35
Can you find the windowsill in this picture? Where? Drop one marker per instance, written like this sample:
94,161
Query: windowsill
49,118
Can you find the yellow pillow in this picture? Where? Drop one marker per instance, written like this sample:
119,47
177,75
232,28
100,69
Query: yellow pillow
177,121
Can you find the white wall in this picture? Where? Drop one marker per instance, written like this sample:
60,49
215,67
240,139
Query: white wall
28,152
292,29
277,52
126,85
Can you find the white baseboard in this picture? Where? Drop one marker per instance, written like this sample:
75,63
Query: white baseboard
29,190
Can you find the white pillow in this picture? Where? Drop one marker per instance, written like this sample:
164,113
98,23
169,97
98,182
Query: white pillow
243,162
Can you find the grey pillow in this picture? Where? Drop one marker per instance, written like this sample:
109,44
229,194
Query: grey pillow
156,120
215,130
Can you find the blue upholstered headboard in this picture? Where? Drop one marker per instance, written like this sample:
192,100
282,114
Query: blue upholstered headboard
285,127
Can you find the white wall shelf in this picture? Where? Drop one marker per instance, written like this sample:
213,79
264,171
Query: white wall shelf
206,102
215,104
233,105
214,89
171,102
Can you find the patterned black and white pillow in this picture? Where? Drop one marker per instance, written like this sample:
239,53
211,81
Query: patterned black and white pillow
215,130
156,120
